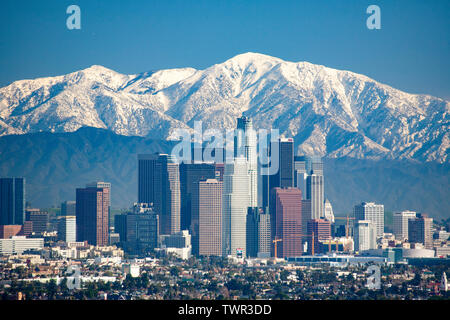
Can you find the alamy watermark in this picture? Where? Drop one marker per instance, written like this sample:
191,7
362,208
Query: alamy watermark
74,20
374,20
215,146
374,278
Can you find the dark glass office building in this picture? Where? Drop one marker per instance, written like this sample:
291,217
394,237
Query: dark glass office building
12,201
159,184
190,175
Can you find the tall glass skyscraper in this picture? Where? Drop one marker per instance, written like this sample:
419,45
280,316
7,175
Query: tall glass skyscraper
12,201
236,200
245,146
190,174
92,215
284,178
159,183
308,176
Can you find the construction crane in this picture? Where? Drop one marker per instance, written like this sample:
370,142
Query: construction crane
346,228
275,243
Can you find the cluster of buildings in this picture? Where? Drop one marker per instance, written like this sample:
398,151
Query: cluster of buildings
227,207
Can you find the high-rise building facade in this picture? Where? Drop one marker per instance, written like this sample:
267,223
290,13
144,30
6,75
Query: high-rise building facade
142,229
252,231
420,230
206,230
92,215
400,224
245,146
365,235
328,211
138,229
286,212
264,234
308,177
284,178
321,229
191,173
315,193
306,215
12,201
236,199
67,229
159,184
68,208
38,218
373,212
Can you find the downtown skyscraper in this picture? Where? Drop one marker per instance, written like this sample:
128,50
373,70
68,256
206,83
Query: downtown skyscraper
236,200
159,184
12,201
206,227
420,230
308,176
245,146
286,213
190,174
92,215
373,212
315,193
284,178
400,224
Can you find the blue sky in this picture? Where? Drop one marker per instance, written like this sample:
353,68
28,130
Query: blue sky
411,52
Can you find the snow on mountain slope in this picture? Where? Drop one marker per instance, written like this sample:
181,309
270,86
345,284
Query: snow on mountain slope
328,112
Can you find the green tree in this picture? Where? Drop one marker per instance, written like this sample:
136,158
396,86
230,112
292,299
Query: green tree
51,289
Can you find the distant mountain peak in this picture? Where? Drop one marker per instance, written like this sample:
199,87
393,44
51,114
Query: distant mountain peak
329,112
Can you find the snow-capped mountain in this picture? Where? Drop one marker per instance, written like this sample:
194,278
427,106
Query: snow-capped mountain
328,112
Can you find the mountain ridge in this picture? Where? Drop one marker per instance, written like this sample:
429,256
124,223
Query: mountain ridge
329,112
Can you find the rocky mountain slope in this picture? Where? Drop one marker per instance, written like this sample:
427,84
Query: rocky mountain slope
329,112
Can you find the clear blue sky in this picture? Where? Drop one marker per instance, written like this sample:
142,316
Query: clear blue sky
410,52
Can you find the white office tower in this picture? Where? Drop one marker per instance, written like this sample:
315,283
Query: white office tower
67,228
329,215
315,193
373,212
236,198
400,224
245,146
365,235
